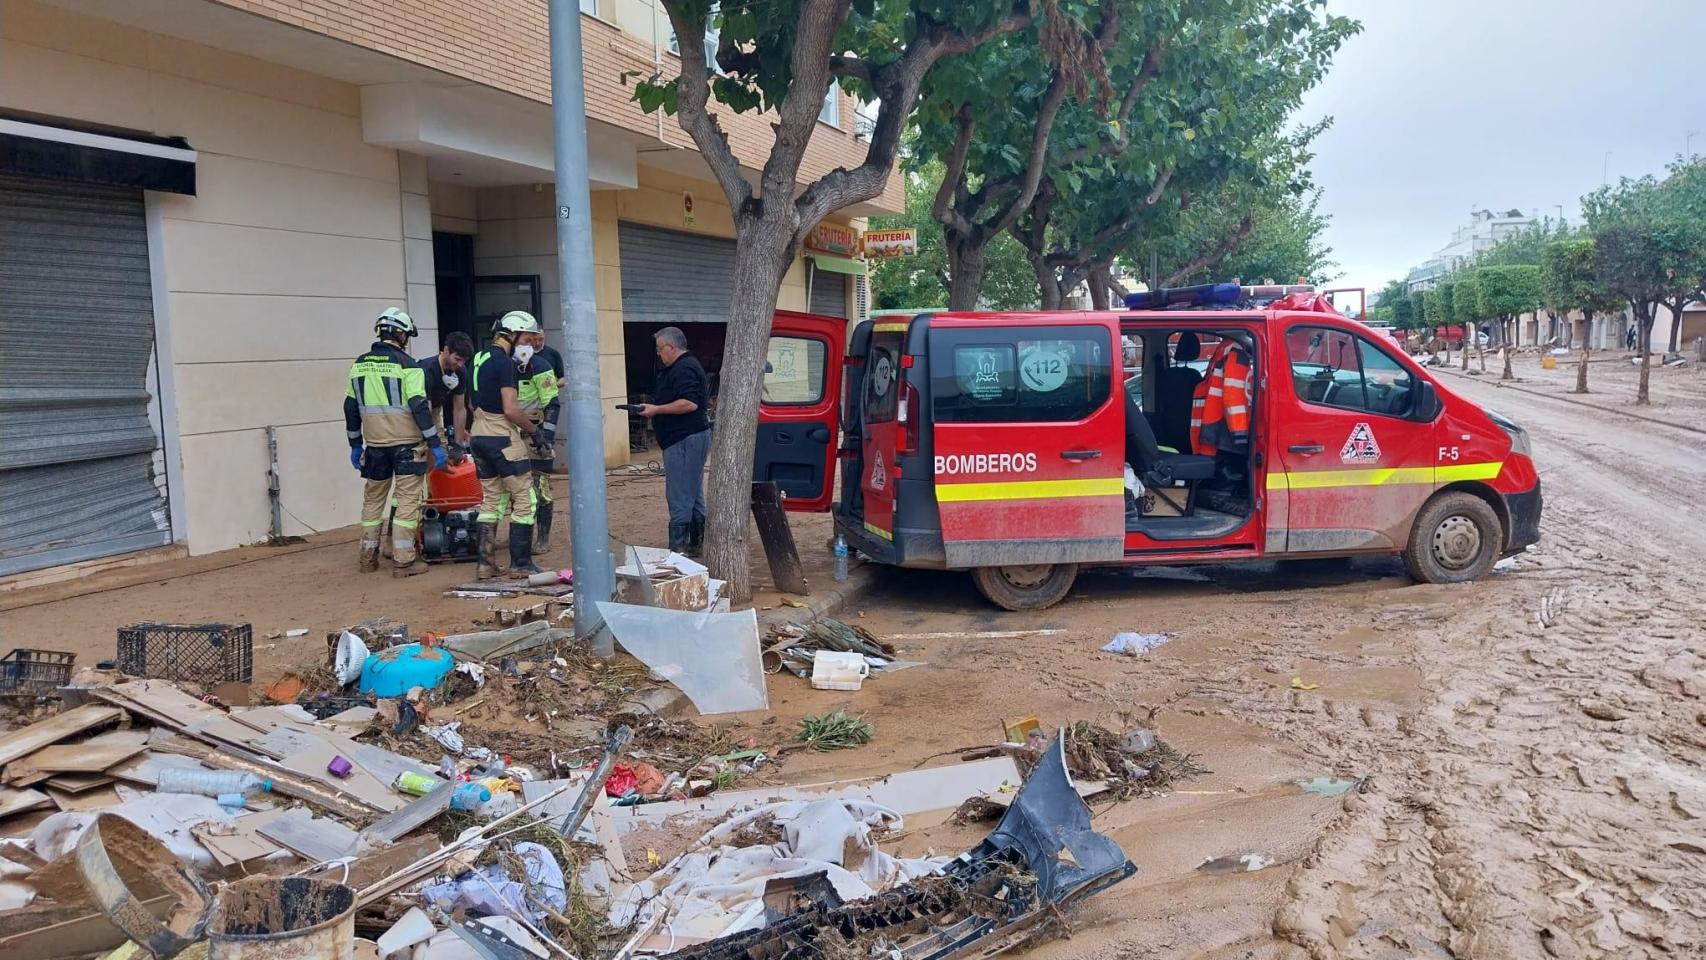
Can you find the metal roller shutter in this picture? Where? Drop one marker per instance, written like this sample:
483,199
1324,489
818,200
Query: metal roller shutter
829,293
670,277
81,471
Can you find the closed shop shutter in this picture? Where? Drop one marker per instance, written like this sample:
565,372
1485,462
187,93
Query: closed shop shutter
81,470
670,277
829,293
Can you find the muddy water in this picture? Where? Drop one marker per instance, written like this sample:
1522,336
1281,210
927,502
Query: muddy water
1531,745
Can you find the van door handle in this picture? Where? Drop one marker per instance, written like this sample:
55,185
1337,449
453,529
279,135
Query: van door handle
1080,454
1306,448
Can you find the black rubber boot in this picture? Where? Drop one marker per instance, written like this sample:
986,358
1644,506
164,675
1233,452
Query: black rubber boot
488,551
679,537
542,527
521,551
696,538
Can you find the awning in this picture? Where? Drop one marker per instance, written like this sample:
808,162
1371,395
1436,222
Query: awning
88,154
829,264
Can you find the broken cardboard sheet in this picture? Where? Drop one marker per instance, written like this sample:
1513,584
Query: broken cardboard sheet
716,889
910,793
167,817
712,657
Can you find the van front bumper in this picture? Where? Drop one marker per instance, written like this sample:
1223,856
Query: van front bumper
1524,511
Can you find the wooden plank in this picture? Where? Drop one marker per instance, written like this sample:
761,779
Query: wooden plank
92,933
239,841
19,801
361,784
21,743
97,799
352,722
160,698
89,757
78,782
144,769
316,839
383,764
285,782
414,814
777,538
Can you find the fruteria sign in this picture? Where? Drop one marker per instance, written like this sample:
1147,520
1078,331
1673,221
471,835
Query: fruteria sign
891,243
829,238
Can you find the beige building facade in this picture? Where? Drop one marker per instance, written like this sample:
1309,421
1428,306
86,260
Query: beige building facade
221,196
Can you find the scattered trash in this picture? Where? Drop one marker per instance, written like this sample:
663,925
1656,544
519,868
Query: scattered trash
1329,786
1135,644
340,767
712,657
1501,566
837,670
395,671
1126,765
1298,684
1236,863
447,735
416,784
347,660
413,927
294,917
834,731
210,783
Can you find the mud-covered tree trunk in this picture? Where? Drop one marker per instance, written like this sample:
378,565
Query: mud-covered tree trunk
764,249
1582,365
1644,343
966,267
1468,338
1507,349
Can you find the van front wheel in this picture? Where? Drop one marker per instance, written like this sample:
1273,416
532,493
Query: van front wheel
1456,539
1031,586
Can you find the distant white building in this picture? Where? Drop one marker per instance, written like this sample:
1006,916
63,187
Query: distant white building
1484,229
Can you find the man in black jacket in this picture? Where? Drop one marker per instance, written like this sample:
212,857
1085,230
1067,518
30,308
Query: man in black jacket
678,418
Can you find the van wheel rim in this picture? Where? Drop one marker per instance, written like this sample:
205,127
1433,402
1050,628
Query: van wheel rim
1027,577
1457,542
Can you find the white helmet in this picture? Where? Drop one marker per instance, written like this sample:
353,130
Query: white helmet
394,321
516,322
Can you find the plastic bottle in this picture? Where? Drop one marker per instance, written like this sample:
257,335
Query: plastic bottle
415,784
840,551
469,796
210,783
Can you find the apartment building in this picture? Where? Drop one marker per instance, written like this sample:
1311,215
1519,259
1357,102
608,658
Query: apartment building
205,203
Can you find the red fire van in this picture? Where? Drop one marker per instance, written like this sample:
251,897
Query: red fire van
1023,446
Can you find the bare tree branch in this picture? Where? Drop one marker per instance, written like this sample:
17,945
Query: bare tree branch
1214,257
1114,234
856,68
819,22
693,92
942,208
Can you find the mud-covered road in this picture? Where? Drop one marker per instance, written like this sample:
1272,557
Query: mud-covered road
1532,744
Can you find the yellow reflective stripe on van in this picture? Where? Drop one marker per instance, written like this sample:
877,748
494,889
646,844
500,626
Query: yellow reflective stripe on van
1382,476
1029,489
878,531
892,327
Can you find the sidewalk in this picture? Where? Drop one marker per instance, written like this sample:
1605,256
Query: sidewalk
314,585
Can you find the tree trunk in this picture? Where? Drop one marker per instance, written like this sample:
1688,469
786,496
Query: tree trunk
1101,280
762,252
1676,327
1507,350
1468,338
1644,321
966,266
1582,372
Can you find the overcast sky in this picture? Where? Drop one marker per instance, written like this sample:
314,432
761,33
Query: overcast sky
1444,106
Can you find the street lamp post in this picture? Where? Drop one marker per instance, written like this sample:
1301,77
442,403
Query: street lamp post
589,514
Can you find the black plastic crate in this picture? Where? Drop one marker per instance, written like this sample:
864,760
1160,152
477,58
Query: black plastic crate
27,672
198,653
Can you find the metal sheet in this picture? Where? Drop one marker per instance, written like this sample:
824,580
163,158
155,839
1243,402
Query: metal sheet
671,277
75,256
829,290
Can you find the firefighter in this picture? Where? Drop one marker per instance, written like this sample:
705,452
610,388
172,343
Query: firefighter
499,442
537,394
1220,405
391,435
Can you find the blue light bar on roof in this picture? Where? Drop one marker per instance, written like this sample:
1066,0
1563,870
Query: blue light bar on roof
1200,295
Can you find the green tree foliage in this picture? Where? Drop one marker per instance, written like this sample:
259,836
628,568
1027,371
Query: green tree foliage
1439,304
1287,242
921,281
1418,310
1568,284
1506,293
1649,250
1520,248
1394,298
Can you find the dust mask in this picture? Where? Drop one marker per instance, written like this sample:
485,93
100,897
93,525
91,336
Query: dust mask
451,380
523,353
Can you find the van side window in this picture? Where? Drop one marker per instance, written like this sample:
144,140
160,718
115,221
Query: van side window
1335,368
1020,375
794,371
882,369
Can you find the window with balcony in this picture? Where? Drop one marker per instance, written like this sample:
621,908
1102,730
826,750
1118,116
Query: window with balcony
831,111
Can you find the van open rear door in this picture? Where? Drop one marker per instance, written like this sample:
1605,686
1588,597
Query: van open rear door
1029,440
797,413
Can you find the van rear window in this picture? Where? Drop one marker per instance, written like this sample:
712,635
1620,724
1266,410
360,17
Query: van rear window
882,369
1019,375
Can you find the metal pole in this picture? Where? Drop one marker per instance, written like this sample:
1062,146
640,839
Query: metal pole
589,515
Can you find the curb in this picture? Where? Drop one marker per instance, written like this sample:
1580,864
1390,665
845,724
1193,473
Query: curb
669,701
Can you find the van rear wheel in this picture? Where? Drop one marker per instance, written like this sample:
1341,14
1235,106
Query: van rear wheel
1031,586
1457,537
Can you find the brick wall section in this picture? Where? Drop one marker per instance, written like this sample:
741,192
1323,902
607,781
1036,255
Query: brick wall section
504,44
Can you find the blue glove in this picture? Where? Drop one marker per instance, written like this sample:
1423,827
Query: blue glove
355,456
438,457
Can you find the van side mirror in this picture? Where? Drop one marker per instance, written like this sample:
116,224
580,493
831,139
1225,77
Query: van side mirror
1428,405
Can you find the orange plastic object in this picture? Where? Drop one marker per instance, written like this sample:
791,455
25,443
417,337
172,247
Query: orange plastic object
454,488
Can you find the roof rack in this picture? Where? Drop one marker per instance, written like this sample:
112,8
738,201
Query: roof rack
1214,296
